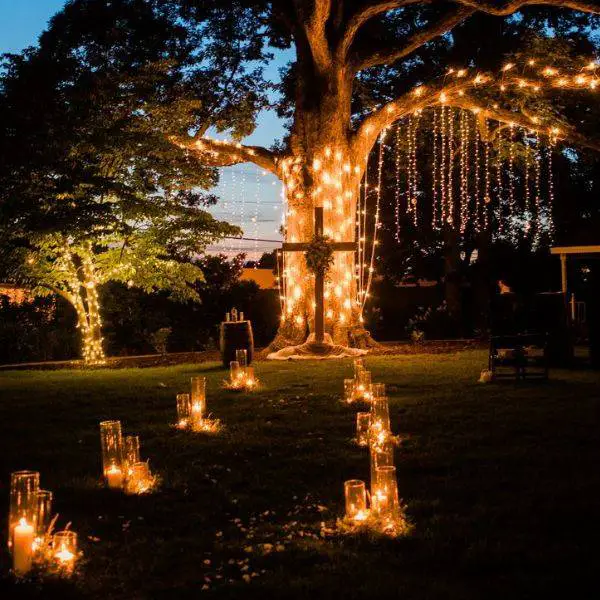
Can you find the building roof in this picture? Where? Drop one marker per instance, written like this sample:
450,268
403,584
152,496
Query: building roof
575,250
265,278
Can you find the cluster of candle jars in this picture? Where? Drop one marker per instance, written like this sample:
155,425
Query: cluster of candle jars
123,469
234,316
241,375
383,512
191,408
30,521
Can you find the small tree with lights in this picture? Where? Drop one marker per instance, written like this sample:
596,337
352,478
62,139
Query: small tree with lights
91,189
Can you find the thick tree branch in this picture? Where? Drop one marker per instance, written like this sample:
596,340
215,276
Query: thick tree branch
443,26
368,12
455,94
216,153
70,298
315,24
508,117
509,7
420,98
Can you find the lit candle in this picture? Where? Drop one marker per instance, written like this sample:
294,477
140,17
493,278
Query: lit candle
64,555
132,451
349,390
385,496
356,500
113,461
196,415
364,385
378,390
24,487
184,410
198,395
140,480
65,549
359,365
250,380
235,372
363,420
23,535
114,477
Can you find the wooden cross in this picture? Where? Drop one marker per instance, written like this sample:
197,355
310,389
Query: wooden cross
319,279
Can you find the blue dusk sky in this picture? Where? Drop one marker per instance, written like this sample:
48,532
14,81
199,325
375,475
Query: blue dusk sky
248,198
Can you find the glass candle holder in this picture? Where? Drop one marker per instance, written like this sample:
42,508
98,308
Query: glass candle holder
235,373
384,497
380,455
363,387
359,365
349,390
380,412
131,445
363,420
24,487
64,549
44,513
184,410
111,440
356,500
199,395
250,379
242,357
140,478
378,390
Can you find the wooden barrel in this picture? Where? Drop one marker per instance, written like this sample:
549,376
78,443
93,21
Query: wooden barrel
236,335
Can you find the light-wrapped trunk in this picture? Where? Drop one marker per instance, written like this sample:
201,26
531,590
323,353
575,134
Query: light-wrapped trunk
321,171
83,295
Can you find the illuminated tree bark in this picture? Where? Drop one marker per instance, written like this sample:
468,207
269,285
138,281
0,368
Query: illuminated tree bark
83,296
327,153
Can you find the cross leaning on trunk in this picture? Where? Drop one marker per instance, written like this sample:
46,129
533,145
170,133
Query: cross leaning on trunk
319,279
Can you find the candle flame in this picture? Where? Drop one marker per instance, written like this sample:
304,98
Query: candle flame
64,555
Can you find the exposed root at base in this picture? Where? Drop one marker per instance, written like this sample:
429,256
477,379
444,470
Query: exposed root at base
312,350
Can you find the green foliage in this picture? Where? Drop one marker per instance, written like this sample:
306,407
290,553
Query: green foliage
88,170
36,330
319,255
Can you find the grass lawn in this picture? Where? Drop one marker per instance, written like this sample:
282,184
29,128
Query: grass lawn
501,482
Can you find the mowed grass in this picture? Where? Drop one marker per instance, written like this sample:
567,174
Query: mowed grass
501,483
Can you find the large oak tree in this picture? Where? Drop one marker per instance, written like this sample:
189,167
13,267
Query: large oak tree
331,136
214,56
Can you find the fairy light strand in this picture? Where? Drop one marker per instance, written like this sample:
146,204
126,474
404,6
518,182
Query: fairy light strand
477,184
397,165
435,167
375,219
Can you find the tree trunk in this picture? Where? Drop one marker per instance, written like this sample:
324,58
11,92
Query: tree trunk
322,171
90,329
88,314
453,277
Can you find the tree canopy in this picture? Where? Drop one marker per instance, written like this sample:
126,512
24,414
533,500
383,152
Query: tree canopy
138,86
